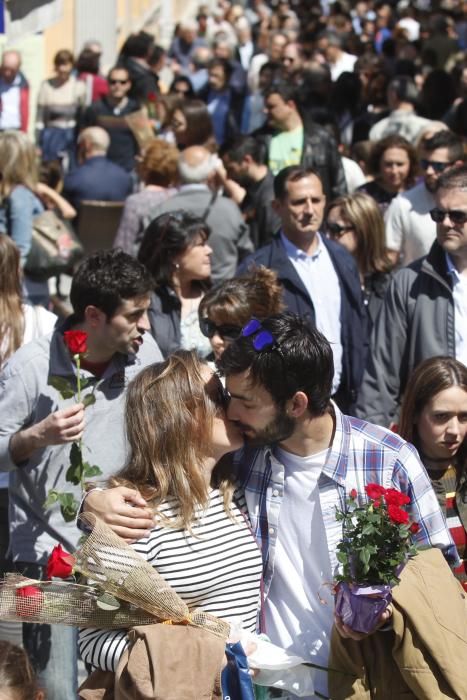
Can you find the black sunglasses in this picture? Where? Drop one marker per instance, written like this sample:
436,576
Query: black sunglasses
456,216
437,165
218,394
118,82
226,331
336,230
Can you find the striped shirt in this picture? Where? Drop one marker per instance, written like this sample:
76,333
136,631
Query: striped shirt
361,453
217,568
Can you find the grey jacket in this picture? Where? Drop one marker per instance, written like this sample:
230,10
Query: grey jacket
230,238
26,398
416,322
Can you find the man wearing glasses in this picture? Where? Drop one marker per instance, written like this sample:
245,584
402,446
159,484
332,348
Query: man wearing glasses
410,230
110,113
424,313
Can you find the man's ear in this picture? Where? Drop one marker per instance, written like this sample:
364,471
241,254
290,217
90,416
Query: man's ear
94,316
276,206
297,405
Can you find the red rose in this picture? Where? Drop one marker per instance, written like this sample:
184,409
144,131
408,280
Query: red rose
152,97
353,494
28,601
377,503
76,341
414,528
60,563
396,498
374,491
397,515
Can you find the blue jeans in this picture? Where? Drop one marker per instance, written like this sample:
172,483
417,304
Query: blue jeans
53,651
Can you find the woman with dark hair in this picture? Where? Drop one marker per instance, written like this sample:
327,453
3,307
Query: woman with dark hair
158,172
225,309
17,678
393,162
87,67
58,104
434,418
356,222
175,250
192,125
182,87
200,544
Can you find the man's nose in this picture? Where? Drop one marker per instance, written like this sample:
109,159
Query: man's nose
143,323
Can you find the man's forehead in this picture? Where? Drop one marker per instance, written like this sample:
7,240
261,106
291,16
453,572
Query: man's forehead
456,196
307,186
135,303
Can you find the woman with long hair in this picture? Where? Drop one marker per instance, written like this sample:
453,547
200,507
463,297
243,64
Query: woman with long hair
176,252
355,222
226,308
192,125
17,678
393,163
433,417
200,544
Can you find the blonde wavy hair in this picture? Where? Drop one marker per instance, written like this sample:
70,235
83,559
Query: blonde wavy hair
11,308
169,417
18,162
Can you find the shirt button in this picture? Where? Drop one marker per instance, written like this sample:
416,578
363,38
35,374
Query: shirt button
271,530
275,492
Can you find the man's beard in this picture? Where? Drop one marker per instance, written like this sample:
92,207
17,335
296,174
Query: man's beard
278,430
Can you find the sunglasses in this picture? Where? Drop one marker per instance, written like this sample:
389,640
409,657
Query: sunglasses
225,331
261,338
118,82
437,165
336,230
456,216
218,394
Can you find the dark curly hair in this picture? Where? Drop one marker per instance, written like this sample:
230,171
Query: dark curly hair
105,280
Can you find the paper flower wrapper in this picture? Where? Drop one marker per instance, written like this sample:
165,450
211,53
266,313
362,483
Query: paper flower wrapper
360,607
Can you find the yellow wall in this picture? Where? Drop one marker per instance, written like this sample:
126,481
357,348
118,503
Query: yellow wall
60,35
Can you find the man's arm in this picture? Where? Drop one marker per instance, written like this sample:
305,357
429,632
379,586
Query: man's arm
394,227
65,425
123,509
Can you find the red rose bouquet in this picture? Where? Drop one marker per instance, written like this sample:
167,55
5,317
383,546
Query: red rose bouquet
375,546
79,470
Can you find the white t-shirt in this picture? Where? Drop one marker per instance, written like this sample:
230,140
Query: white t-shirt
296,619
409,226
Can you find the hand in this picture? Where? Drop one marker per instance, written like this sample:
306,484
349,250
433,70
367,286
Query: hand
65,425
348,633
124,510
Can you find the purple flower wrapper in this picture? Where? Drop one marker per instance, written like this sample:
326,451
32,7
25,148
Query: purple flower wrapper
360,607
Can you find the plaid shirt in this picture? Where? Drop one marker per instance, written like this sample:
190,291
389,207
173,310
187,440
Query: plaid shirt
360,454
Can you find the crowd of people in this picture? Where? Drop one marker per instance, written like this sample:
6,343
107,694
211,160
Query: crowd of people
281,321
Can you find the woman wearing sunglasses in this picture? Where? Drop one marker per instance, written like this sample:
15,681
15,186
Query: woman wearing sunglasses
176,252
355,222
434,418
226,308
200,543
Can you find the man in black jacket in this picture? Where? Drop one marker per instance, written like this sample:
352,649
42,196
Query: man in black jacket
292,141
319,277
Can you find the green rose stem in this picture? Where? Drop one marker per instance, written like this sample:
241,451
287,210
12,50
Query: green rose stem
77,359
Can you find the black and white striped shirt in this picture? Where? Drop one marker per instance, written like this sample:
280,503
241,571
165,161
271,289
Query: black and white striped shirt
217,568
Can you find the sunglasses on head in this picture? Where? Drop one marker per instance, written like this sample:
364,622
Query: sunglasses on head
336,230
437,165
456,216
261,338
226,331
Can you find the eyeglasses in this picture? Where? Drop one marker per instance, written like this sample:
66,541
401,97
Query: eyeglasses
117,82
336,230
456,216
218,394
225,331
261,338
437,165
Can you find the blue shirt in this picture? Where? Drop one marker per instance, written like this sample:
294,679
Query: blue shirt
97,179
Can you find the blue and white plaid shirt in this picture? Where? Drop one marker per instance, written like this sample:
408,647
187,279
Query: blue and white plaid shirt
361,453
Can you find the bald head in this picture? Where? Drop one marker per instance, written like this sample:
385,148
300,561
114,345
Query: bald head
94,141
195,165
11,63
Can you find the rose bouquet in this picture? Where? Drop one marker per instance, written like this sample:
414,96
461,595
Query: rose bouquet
79,470
375,546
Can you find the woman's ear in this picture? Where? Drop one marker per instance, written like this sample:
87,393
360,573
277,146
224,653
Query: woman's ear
297,405
40,695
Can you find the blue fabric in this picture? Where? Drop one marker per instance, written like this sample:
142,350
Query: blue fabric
16,216
97,179
297,300
236,681
55,142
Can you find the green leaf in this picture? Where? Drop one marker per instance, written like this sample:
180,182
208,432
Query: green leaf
74,471
364,556
368,529
89,399
52,498
342,557
91,471
68,506
63,386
